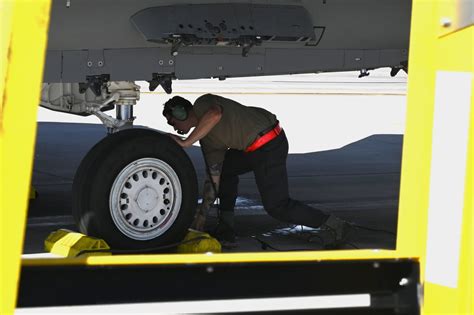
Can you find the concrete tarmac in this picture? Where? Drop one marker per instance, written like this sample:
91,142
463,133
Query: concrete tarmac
345,138
358,182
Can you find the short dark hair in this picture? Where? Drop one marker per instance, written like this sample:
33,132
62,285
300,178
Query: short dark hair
176,101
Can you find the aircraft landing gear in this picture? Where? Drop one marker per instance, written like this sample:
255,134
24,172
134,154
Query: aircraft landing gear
135,189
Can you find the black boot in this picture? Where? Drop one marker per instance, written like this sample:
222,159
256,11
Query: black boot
339,230
224,230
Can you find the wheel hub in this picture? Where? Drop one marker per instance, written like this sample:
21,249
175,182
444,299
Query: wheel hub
147,199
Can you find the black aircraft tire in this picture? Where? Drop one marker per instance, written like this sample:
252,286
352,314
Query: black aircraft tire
101,168
82,214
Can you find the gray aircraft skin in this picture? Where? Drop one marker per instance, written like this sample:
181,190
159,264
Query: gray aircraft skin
133,40
137,188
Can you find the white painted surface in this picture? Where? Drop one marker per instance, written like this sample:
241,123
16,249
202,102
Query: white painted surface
448,170
318,111
215,306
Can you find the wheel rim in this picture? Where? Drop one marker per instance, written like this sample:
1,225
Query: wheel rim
145,199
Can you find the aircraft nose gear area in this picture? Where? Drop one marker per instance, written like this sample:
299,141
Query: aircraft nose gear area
145,199
133,193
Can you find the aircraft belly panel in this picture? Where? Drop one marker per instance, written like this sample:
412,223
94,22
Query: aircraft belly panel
126,63
224,23
141,64
91,38
355,24
74,66
53,66
191,66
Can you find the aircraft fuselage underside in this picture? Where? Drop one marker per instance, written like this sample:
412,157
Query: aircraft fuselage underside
146,40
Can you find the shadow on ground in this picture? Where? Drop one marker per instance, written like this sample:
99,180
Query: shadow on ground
359,182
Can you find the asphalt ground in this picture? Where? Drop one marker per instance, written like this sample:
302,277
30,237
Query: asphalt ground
358,182
345,136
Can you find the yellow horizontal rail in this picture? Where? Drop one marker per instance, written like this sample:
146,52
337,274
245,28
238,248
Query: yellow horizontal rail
260,257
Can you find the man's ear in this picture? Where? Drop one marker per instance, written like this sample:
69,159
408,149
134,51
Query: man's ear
217,108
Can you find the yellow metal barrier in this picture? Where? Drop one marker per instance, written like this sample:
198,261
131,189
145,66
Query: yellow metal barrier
441,68
435,213
23,43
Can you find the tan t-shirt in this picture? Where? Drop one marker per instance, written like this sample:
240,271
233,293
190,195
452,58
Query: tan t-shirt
238,128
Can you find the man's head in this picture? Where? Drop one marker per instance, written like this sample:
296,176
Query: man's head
177,112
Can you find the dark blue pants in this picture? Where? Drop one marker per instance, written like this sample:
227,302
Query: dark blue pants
269,166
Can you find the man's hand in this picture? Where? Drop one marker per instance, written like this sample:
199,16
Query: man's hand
179,140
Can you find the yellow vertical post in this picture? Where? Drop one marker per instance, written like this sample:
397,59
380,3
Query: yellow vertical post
435,212
23,43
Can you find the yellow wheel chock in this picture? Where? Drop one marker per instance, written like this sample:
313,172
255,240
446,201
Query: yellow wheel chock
73,244
203,243
67,243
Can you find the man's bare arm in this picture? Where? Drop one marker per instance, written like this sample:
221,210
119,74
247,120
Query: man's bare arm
205,125
210,192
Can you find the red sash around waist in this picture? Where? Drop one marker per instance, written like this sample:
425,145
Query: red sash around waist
266,137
